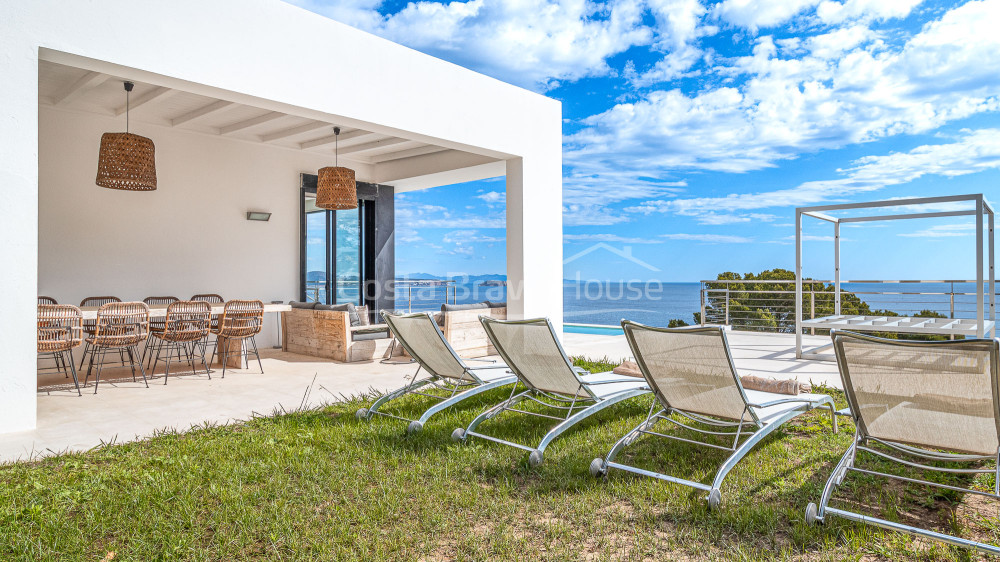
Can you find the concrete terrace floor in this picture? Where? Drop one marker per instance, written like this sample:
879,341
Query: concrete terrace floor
123,410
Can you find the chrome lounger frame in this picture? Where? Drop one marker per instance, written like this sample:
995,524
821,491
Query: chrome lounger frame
905,454
576,407
453,389
750,428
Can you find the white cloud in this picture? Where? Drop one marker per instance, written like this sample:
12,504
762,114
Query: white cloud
493,197
753,14
842,87
608,238
832,12
975,151
709,238
436,216
943,231
470,237
535,44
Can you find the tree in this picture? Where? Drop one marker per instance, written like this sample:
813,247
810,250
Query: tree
766,301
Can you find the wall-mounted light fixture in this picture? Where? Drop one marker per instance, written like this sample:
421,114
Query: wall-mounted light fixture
258,216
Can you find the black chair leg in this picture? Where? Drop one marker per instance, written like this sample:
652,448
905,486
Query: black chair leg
132,352
72,366
253,341
100,364
86,348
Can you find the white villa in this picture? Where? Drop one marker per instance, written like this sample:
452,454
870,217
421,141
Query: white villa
242,113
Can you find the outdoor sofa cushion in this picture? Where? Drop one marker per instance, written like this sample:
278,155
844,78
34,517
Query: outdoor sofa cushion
469,306
349,308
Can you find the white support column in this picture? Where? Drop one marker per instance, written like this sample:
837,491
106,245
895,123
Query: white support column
534,238
798,284
993,290
836,267
980,316
18,231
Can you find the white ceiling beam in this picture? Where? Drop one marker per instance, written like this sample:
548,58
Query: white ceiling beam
246,124
86,82
285,133
157,93
372,145
344,137
209,109
408,153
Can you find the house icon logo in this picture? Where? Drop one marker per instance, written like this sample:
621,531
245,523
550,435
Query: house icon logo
624,252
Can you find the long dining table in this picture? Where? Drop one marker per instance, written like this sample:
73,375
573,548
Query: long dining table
160,311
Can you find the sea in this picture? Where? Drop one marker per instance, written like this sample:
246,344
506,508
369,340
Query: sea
655,303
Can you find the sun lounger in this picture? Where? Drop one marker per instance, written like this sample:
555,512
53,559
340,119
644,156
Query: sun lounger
547,376
692,375
913,403
447,372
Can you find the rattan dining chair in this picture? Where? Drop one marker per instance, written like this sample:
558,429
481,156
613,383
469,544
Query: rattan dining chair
156,324
212,299
90,325
59,329
184,328
120,326
241,320
46,300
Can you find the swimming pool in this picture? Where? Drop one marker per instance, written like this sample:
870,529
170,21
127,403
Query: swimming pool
595,329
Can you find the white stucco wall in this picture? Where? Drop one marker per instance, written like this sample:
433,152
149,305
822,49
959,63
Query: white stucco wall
277,57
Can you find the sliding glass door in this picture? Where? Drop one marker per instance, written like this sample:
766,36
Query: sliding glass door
347,255
331,253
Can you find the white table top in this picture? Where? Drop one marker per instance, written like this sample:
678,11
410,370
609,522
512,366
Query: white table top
160,310
907,324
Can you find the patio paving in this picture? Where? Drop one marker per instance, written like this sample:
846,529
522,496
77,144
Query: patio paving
123,410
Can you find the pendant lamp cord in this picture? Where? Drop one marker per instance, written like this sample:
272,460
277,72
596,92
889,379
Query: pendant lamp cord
127,94
336,147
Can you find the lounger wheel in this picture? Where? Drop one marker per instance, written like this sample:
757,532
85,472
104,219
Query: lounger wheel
597,468
811,517
535,458
458,435
414,427
361,414
714,499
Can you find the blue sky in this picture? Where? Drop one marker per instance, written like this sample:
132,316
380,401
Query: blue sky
692,129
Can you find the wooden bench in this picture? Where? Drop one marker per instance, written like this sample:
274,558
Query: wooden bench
465,332
328,334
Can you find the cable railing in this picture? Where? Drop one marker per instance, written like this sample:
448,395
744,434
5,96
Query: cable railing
769,305
421,294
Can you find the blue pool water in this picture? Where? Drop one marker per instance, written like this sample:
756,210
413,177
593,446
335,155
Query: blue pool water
590,329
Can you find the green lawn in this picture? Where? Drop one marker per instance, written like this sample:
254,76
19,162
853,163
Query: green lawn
321,485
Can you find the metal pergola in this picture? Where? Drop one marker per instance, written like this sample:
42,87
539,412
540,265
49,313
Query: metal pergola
982,208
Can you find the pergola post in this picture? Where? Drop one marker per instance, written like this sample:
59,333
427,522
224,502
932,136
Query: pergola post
980,331
993,291
836,267
798,284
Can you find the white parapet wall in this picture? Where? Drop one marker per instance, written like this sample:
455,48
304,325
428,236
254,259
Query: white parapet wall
263,53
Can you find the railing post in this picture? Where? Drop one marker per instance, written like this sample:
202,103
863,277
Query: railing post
727,305
812,306
951,315
703,295
952,298
409,298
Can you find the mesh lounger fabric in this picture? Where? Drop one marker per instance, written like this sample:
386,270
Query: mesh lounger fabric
937,396
691,371
424,341
531,351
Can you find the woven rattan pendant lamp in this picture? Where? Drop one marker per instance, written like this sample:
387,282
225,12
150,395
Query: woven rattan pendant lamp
336,188
126,161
